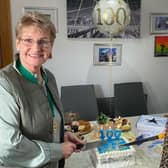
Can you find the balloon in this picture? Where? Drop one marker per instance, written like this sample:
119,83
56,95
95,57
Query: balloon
111,16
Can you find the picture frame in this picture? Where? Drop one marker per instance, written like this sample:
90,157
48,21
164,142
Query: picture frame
80,22
161,46
51,12
159,23
107,54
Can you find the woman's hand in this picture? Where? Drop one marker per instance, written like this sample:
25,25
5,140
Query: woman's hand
67,149
71,137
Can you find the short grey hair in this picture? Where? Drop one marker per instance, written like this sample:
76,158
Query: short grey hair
36,19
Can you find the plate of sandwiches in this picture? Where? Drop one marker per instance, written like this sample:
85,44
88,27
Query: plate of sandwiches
79,127
122,123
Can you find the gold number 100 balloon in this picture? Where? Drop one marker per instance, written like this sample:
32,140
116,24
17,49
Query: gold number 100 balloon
109,17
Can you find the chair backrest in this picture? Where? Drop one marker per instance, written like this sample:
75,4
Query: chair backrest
106,105
130,99
80,99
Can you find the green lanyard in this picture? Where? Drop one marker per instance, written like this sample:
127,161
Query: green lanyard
49,95
29,76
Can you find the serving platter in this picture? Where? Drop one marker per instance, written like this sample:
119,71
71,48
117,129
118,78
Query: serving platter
82,127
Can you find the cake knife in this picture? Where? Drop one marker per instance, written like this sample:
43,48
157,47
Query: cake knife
89,145
140,141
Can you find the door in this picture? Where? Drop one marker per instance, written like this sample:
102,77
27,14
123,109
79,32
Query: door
6,52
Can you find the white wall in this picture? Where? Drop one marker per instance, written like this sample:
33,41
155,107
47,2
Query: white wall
72,62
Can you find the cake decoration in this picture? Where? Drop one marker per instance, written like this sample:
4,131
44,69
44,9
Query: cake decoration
111,153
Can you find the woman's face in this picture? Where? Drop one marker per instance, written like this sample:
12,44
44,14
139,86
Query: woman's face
34,47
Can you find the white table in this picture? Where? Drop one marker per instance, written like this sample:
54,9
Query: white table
145,157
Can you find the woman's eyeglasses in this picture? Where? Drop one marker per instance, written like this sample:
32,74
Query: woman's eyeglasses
30,42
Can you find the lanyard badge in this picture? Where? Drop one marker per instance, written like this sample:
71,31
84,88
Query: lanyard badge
55,125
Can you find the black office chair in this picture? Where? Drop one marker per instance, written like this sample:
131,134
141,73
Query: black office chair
80,99
130,99
106,105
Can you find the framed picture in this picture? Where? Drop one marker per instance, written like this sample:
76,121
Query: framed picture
50,12
159,23
107,54
161,46
80,22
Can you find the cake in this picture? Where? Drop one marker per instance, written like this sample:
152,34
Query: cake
111,155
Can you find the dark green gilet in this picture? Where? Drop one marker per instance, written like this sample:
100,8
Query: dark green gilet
36,118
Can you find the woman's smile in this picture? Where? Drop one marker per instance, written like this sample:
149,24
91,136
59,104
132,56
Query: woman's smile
35,55
34,47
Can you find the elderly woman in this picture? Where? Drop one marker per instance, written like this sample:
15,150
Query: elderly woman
31,119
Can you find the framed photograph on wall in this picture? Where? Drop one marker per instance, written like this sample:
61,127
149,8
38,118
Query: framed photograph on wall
50,12
107,54
80,22
159,23
161,46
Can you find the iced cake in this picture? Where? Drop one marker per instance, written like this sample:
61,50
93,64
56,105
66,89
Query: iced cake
111,155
